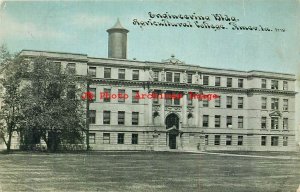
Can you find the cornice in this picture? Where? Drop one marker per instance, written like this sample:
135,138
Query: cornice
184,86
271,91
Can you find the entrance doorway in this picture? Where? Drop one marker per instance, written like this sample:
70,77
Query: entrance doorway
172,126
172,141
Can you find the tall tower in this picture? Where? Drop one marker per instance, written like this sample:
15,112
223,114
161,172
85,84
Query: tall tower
117,41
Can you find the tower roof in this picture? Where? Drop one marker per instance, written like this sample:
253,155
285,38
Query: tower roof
117,27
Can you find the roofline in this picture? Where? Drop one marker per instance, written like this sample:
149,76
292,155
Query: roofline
59,52
270,72
157,62
192,65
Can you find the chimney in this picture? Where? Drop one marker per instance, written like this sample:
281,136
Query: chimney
117,41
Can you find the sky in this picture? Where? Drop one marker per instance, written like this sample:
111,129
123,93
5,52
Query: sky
80,27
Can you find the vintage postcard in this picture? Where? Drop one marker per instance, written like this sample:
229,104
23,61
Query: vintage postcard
141,95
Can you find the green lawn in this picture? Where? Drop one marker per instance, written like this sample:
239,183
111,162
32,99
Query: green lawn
146,171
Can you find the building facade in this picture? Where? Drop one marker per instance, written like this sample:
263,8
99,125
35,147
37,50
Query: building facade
255,110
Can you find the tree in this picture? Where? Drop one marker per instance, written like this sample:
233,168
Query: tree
12,70
51,108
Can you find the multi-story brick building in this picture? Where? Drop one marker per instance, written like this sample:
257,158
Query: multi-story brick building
255,111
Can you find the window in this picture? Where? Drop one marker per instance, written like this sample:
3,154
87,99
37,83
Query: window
190,99
121,117
135,75
107,73
240,102
121,74
92,71
285,85
240,83
240,140
218,102
205,120
240,121
169,76
93,94
217,120
274,141
177,77
92,115
205,80
134,139
285,123
155,77
92,138
229,121
106,138
190,78
228,139
135,118
263,122
274,84
285,105
120,138
274,103
121,95
206,139
274,122
71,68
229,82
205,103
168,98
263,141
264,103
106,117
177,99
217,139
264,83
285,141
135,98
107,92
229,101
155,96
217,81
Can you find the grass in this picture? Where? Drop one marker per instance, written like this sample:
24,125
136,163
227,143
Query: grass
146,171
